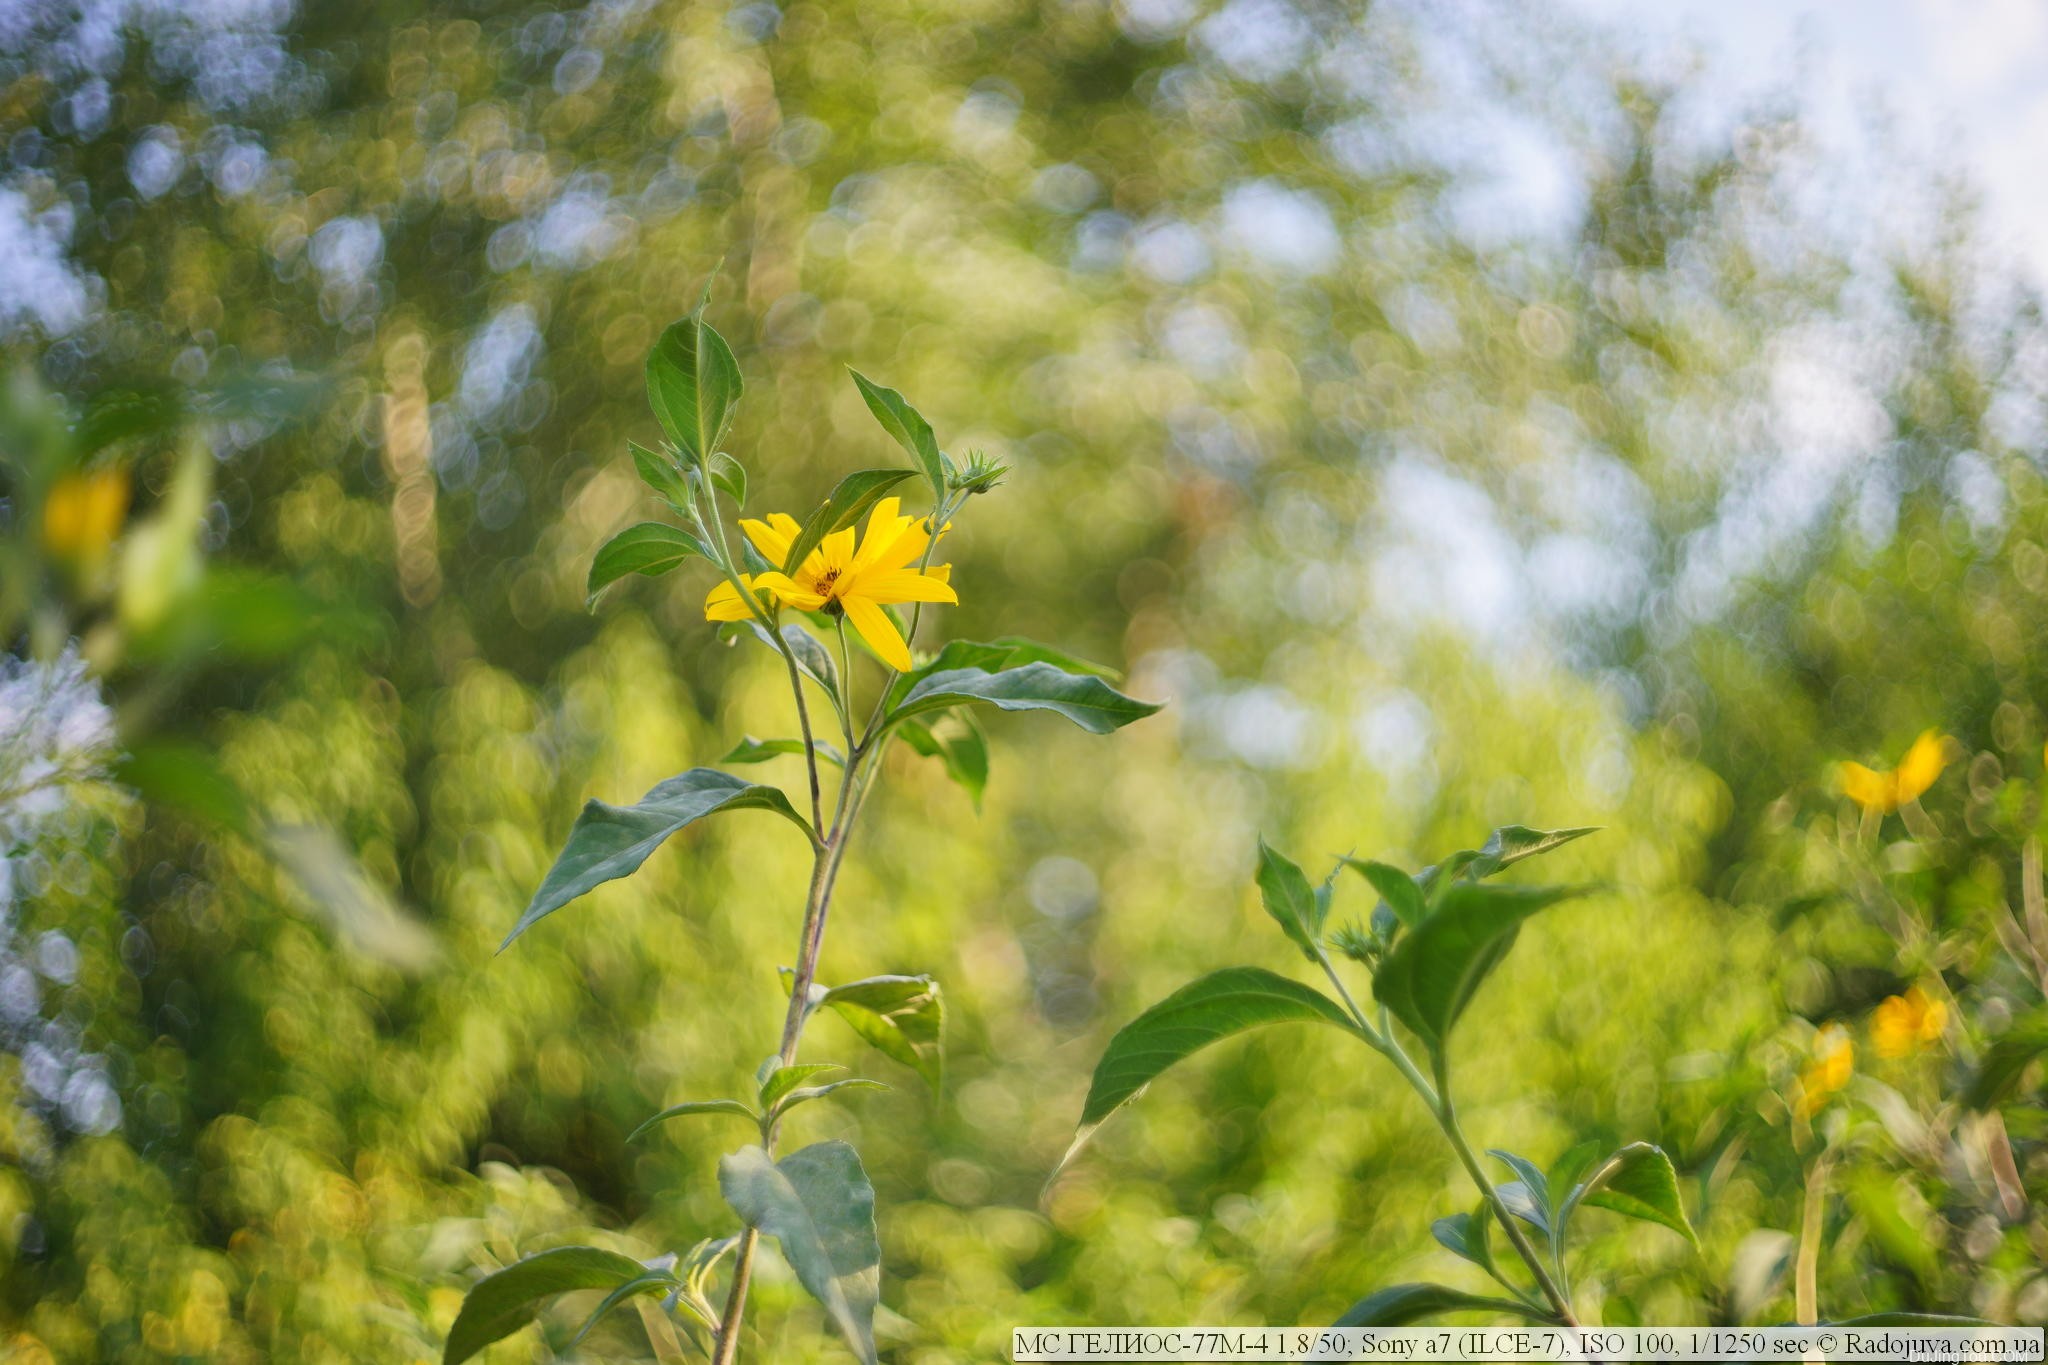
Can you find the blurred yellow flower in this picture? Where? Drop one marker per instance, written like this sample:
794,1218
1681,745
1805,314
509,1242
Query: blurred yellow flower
1904,1022
82,514
1831,1063
1887,791
842,577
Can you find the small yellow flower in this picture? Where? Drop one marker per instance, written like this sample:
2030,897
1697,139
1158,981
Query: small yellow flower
82,514
1831,1064
1902,1024
1887,791
841,577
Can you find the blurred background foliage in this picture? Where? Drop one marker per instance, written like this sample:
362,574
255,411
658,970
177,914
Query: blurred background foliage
1457,423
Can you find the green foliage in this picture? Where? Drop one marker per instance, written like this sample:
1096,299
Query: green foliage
501,1303
907,427
1432,973
693,384
1400,1304
818,1206
1082,698
1638,1181
651,548
1290,900
902,1017
853,498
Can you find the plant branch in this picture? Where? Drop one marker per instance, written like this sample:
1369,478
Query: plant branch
1447,1119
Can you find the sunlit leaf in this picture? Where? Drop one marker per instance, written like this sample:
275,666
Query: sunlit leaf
689,1107
610,841
1432,973
502,1303
1638,1181
910,430
1289,899
805,1094
693,384
729,477
662,474
819,1207
1395,887
1529,1197
651,548
1084,699
784,1079
852,498
652,1281
902,1017
751,750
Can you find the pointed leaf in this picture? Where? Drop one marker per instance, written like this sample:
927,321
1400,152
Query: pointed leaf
1465,1236
784,1079
1510,844
501,1303
1198,1014
902,1017
908,427
693,384
819,1207
813,660
610,841
1429,977
1398,1305
651,548
1395,887
1531,1198
851,500
662,474
1289,899
1084,699
1028,651
688,1107
806,1094
1638,1181
751,750
651,1281
729,477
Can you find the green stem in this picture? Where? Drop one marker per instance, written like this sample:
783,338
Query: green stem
1447,1119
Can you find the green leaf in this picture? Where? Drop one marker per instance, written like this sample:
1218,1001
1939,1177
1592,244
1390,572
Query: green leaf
729,477
751,750
1395,887
1398,1305
1510,844
1638,1181
1028,651
502,1303
851,499
662,474
1198,1014
964,755
818,1206
610,841
784,1079
1465,1235
812,658
1084,699
2006,1061
806,1094
693,384
909,429
689,1107
650,1281
1910,1320
902,1017
1529,1197
1289,899
1429,977
651,548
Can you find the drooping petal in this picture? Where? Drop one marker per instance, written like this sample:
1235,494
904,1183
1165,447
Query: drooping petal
904,585
879,631
723,603
788,592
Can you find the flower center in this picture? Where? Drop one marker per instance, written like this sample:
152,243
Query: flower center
823,588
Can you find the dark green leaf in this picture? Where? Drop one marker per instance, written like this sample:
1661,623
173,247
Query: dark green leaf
688,1107
1430,976
2006,1061
1086,700
117,413
184,776
610,841
751,750
818,1206
1638,1181
1289,899
1398,1305
729,477
502,1303
1395,887
784,1079
693,384
651,1281
812,658
850,501
902,1017
651,548
909,429
1198,1014
661,474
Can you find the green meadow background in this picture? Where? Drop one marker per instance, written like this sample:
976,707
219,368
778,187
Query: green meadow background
1455,421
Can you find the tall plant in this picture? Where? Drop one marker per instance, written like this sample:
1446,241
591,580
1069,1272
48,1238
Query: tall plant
794,587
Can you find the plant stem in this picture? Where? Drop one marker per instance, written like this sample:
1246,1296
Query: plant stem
1447,1119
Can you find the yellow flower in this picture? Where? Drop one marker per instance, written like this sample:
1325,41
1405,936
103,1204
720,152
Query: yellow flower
1831,1065
82,514
1901,1024
1884,792
842,577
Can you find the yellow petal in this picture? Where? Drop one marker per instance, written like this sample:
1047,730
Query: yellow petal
903,585
1874,791
769,539
723,603
787,591
1921,766
834,552
879,631
942,572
